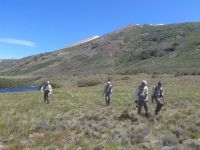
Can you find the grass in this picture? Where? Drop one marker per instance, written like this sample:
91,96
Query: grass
77,117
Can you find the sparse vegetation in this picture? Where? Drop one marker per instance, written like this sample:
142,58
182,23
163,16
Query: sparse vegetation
87,83
77,118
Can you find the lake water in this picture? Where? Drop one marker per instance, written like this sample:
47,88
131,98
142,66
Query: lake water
19,89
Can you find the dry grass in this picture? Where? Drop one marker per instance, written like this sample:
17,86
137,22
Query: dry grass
77,118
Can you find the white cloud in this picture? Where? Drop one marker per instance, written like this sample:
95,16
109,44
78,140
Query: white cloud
17,42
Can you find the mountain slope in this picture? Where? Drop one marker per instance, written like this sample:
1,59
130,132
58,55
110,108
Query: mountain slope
148,48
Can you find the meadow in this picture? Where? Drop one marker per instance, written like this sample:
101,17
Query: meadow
77,118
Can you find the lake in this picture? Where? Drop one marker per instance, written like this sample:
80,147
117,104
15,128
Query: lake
19,89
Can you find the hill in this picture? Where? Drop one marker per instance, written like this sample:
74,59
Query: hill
133,49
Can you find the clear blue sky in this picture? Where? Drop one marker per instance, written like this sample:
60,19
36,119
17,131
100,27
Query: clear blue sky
30,27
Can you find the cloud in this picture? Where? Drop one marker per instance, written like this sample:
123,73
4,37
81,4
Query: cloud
17,42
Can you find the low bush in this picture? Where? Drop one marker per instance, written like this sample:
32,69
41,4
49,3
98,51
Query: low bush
87,83
8,83
125,78
168,140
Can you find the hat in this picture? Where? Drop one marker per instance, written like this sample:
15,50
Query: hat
144,82
108,82
48,82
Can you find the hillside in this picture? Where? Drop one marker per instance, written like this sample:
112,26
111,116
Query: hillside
7,63
130,50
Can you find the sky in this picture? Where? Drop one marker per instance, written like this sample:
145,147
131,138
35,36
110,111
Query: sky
29,27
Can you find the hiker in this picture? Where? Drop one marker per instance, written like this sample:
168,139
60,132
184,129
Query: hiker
47,89
142,97
158,96
107,92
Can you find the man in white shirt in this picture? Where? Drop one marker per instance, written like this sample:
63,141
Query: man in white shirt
47,89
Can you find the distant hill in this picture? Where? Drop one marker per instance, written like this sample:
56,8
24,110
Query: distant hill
7,63
130,50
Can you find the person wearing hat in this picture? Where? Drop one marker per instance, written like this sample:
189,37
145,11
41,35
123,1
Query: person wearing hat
47,89
142,97
158,96
107,92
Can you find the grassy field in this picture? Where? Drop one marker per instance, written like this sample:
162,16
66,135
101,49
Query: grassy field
77,118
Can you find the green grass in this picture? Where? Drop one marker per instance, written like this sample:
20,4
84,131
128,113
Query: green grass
77,117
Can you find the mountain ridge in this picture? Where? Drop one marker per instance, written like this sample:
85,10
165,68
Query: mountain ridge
130,50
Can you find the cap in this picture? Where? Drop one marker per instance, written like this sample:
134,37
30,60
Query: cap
144,82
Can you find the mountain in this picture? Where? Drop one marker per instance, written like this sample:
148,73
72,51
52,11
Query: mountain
130,50
7,63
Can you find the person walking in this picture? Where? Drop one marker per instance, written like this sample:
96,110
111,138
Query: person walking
142,97
158,96
47,90
107,93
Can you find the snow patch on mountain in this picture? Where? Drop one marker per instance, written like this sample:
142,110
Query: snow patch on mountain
84,41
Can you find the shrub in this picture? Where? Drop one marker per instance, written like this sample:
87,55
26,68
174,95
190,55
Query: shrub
8,83
168,140
87,83
125,78
177,74
194,73
55,85
155,75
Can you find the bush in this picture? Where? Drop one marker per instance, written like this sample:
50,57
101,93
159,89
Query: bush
194,73
9,83
155,75
168,140
87,83
55,85
139,136
125,78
